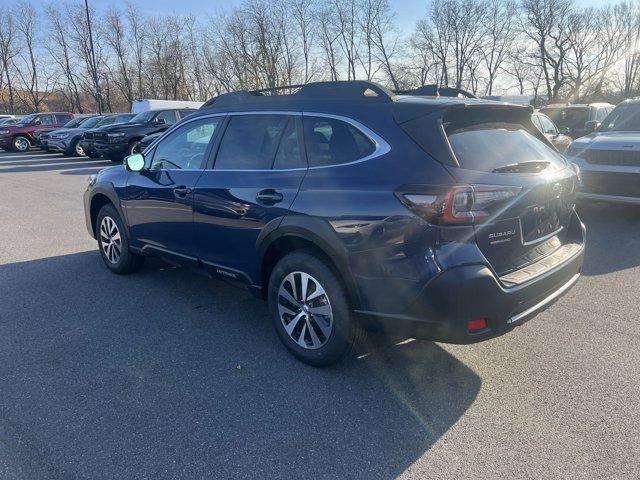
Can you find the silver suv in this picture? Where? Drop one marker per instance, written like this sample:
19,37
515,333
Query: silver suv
609,157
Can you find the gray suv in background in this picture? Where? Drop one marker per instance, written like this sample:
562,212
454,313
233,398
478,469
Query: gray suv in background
609,158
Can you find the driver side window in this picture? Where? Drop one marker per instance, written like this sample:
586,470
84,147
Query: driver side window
185,147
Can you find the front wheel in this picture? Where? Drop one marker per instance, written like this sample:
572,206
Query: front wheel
77,149
113,242
134,147
310,309
21,144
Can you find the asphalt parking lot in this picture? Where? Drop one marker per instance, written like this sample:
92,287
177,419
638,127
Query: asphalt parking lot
168,374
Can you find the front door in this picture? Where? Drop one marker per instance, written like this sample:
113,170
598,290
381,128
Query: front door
256,176
158,201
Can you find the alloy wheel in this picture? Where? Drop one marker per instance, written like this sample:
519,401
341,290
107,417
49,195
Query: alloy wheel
305,310
21,144
110,240
79,150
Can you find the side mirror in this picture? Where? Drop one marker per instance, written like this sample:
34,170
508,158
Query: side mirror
591,126
37,122
135,162
564,130
160,121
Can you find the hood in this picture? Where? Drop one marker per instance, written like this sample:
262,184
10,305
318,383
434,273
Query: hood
13,128
65,130
122,127
609,141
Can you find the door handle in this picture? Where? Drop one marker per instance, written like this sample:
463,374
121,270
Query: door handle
269,196
181,191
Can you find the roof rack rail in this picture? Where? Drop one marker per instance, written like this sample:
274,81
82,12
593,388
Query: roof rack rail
337,90
437,91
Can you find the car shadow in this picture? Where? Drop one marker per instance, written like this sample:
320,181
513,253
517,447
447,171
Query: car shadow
167,374
613,237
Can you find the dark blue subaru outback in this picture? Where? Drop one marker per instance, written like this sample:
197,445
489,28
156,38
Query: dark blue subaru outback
348,207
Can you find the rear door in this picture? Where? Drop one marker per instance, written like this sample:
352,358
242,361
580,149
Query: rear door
258,169
529,214
158,201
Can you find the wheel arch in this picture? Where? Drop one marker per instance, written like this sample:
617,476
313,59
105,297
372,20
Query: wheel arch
101,197
313,234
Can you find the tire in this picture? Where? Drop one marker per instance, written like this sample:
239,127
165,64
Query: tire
21,144
77,150
108,226
335,336
93,155
133,147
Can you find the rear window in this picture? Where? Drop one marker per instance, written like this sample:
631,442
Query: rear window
486,146
332,142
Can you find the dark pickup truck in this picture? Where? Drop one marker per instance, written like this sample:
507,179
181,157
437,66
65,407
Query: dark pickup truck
118,141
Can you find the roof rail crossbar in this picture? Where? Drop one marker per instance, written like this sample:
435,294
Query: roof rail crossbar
437,91
277,89
347,90
338,90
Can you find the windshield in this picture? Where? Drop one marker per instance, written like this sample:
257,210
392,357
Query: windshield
74,122
622,118
127,117
143,117
573,118
489,146
91,122
28,119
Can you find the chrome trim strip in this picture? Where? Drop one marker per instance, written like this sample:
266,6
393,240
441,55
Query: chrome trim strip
545,301
381,146
541,239
608,198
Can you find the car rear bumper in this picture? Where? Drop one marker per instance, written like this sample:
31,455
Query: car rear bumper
447,303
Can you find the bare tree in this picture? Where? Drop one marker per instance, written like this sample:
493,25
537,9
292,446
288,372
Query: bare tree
8,51
115,36
35,83
499,36
546,23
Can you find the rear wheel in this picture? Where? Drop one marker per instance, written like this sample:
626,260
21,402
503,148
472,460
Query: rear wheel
310,309
21,144
113,242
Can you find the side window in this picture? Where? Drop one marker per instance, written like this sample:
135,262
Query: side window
168,117
46,119
536,121
184,113
547,126
185,147
330,142
250,142
62,119
290,153
601,114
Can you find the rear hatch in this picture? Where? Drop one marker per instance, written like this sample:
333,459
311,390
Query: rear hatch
512,187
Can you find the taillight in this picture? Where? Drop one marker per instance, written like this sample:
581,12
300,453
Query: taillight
461,204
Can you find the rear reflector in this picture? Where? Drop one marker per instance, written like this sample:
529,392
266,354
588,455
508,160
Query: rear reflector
476,324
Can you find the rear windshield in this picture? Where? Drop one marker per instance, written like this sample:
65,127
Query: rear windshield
487,146
570,117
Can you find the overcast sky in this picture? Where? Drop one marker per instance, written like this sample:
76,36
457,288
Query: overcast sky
408,11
